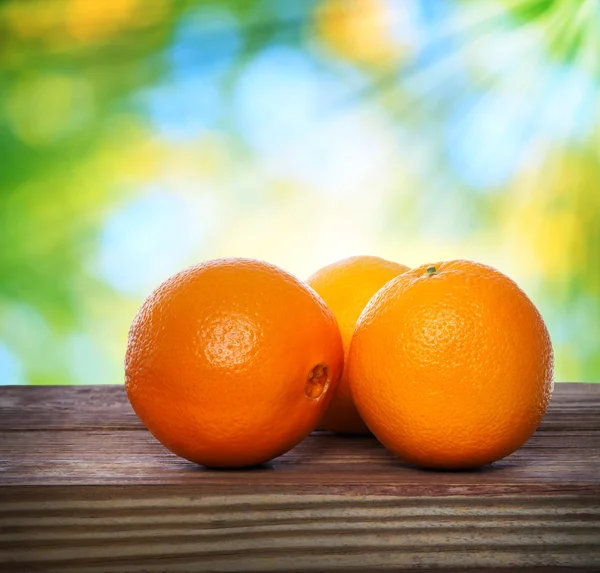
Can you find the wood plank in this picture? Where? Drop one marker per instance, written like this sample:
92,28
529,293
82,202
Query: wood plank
65,407
84,487
329,464
562,457
156,529
574,405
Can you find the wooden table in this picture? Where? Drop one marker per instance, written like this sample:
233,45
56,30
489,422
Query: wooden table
84,487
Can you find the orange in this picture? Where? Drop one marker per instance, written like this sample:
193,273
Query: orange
232,362
451,365
347,286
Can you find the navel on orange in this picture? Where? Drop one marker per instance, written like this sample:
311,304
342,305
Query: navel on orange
347,286
451,365
232,362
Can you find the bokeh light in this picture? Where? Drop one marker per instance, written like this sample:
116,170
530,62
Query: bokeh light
43,109
137,138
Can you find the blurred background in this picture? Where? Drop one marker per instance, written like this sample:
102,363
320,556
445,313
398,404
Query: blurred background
141,136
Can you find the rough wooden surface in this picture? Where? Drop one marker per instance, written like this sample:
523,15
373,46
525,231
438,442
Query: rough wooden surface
84,487
90,436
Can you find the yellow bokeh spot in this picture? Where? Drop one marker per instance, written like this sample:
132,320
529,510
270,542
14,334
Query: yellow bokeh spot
42,108
369,32
59,22
93,20
551,214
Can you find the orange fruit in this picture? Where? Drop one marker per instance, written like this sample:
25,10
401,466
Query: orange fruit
451,365
232,362
347,286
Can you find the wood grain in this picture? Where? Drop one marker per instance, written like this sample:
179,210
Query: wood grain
171,530
84,487
90,436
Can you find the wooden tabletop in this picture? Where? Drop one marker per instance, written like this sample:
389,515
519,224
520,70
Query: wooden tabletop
84,487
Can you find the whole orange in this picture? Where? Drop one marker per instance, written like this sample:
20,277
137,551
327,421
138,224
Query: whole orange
451,365
232,362
347,286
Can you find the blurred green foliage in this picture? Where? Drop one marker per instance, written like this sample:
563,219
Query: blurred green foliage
139,137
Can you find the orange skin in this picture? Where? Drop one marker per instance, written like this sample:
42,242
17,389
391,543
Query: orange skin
347,286
232,362
452,368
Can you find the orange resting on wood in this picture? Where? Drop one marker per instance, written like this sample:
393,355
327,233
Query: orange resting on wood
347,286
451,365
232,362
